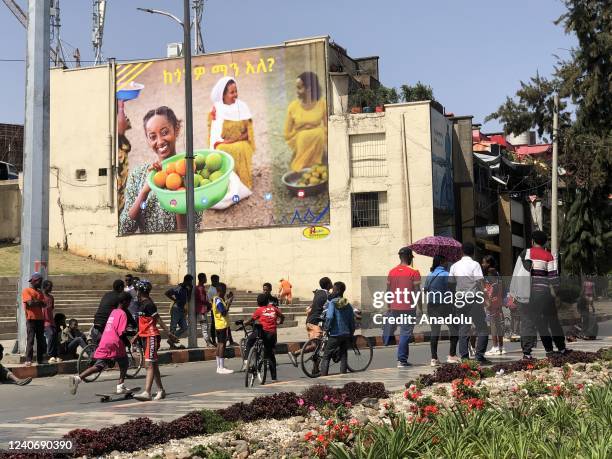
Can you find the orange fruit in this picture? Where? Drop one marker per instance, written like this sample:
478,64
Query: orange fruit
174,181
181,189
170,168
160,179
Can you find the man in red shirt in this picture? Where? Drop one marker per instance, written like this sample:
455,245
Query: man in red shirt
33,302
403,281
266,318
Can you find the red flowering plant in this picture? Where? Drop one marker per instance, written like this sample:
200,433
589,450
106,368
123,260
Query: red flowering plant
424,409
333,431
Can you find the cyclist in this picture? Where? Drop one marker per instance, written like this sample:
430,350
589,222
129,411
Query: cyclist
315,314
111,347
340,324
147,329
107,304
265,320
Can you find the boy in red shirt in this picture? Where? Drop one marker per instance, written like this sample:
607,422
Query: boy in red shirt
203,308
111,348
147,329
265,319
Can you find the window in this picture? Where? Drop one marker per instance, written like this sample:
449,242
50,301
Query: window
369,209
102,172
368,155
80,174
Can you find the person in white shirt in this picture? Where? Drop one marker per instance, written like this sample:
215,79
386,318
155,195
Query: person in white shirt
466,275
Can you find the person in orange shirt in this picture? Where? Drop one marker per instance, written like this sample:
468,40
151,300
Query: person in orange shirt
284,291
33,301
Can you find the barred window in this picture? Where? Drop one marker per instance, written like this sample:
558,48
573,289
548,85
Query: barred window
369,209
368,155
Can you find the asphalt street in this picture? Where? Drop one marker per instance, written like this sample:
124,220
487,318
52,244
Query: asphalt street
46,410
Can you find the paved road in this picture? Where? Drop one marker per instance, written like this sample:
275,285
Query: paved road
46,410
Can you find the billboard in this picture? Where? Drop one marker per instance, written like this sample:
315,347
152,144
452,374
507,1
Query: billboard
442,173
260,138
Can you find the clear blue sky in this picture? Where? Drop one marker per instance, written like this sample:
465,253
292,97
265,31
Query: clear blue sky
472,53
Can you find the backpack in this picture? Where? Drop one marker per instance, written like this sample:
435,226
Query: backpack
520,286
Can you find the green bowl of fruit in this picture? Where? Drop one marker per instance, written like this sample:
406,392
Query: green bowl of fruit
308,181
212,169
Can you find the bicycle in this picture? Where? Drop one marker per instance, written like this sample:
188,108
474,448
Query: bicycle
360,355
134,353
257,363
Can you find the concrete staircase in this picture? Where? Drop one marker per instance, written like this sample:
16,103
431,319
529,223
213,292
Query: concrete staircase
78,297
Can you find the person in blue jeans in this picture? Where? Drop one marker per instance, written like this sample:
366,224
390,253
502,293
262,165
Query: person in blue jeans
180,296
340,324
403,281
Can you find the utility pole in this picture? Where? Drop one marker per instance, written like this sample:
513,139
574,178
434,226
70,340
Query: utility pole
191,258
189,188
554,219
35,199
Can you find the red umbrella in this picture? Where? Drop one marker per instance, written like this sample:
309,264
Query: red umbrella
438,245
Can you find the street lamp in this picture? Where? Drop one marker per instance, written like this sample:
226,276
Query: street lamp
191,262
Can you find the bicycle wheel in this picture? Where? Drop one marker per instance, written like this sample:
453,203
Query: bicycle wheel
243,356
86,360
262,364
360,354
250,372
310,357
135,358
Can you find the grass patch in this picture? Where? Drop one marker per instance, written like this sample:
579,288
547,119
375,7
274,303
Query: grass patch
60,262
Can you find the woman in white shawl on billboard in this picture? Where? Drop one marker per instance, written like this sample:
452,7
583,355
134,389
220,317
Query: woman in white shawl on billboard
230,128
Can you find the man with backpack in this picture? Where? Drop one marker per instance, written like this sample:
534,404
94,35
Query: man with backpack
533,286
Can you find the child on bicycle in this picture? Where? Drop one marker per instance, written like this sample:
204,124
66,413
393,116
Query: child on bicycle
340,324
265,320
111,348
220,310
147,330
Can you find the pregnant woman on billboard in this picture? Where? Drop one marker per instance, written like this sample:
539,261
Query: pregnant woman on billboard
230,127
306,124
142,211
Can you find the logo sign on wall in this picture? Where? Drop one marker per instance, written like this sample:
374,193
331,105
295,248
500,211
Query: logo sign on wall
315,233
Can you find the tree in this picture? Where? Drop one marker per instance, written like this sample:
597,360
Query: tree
416,93
585,143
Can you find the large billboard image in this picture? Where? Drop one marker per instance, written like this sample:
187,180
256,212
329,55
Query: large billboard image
442,173
260,140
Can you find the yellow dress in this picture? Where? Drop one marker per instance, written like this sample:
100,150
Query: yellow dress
242,151
307,142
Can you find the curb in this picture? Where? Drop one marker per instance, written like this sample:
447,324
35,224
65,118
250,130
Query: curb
201,355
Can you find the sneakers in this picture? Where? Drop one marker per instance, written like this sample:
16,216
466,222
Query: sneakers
73,384
565,351
404,364
24,382
515,338
453,359
292,359
28,363
121,389
51,360
160,395
434,362
502,351
472,351
528,357
493,351
224,371
55,360
144,396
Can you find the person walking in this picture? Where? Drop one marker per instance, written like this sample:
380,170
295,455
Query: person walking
340,324
50,330
403,281
33,301
179,296
203,308
466,276
284,292
436,287
540,315
494,291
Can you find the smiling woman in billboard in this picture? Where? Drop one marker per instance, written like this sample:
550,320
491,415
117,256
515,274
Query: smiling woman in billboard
306,123
142,211
230,126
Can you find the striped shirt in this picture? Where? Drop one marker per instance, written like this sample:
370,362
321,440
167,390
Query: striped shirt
543,269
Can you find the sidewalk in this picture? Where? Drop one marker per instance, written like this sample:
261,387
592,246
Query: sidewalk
290,339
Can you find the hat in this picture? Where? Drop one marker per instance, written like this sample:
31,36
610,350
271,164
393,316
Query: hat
35,277
405,251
